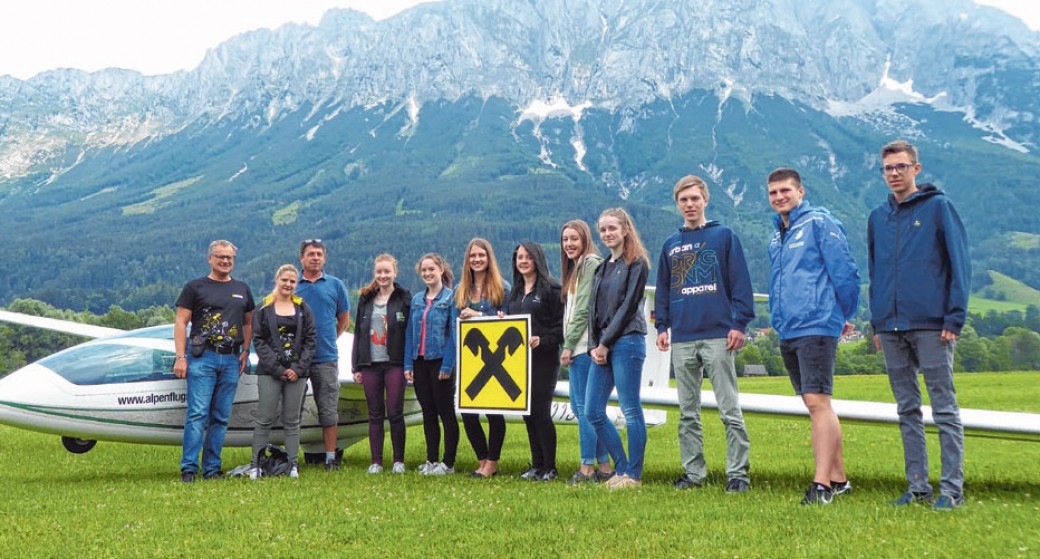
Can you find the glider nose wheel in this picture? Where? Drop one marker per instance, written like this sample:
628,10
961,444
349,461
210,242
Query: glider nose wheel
77,446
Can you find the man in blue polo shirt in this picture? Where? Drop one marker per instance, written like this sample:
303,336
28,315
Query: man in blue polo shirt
327,297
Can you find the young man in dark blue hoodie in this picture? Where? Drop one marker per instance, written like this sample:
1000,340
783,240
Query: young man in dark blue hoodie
920,278
704,297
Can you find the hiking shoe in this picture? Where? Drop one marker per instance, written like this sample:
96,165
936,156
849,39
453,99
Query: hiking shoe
948,502
912,498
737,486
602,476
549,475
440,469
625,482
332,465
375,469
686,482
215,475
294,472
423,468
398,468
818,495
187,477
531,474
579,478
255,473
841,487
615,481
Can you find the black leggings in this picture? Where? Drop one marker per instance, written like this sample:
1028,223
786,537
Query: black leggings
437,399
541,432
490,447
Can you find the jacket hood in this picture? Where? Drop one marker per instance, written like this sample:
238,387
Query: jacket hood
926,190
707,224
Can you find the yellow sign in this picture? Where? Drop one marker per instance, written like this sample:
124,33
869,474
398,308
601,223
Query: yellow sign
494,365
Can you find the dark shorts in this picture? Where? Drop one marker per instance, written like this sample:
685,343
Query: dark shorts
810,363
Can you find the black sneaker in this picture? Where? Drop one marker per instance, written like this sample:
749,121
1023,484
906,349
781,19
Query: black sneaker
332,465
686,482
602,476
737,486
549,475
187,477
579,478
818,495
531,474
841,487
216,475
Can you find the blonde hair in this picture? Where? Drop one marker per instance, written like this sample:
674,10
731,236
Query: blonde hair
570,275
690,181
385,257
492,288
281,270
633,247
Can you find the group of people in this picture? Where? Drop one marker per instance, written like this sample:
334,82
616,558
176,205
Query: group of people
591,322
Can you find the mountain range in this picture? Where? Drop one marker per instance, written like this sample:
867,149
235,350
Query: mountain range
504,119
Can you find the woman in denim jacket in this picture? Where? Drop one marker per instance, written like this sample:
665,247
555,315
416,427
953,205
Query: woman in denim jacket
482,292
429,362
617,345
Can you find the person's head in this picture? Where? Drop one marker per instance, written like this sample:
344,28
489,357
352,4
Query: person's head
619,234
312,256
785,190
384,273
479,260
434,270
221,256
900,167
691,197
529,263
285,279
575,244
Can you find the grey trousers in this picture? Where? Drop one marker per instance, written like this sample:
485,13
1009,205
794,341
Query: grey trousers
275,392
690,360
906,353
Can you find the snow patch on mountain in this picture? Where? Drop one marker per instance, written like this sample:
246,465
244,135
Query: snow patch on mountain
538,111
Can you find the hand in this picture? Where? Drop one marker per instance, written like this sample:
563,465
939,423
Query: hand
599,354
947,337
565,358
357,377
444,375
501,314
734,340
243,362
409,376
877,342
468,313
180,367
290,375
535,340
849,327
662,341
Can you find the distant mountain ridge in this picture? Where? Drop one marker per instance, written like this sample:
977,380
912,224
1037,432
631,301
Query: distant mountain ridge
492,102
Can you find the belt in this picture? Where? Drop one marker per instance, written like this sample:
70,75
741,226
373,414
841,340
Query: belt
226,350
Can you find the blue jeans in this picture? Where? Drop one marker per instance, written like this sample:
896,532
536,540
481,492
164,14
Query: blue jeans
212,382
624,369
906,353
593,450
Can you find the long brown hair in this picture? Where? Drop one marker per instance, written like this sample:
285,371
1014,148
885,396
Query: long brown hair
446,276
385,257
492,289
633,247
571,276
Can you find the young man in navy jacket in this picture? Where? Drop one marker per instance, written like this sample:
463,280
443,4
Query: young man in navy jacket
920,278
704,297
813,293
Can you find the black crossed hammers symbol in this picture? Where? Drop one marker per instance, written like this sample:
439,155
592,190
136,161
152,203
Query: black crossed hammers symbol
510,340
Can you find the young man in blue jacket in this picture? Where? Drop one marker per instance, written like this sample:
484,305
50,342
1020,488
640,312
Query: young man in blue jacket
704,297
813,292
920,277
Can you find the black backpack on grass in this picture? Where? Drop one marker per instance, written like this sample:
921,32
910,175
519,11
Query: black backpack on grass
273,461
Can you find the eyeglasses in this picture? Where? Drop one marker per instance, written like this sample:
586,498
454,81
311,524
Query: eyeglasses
222,258
898,169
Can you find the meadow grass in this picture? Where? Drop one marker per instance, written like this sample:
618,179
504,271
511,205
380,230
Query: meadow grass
122,500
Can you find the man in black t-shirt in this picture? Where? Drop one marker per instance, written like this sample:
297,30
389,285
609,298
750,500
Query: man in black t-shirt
220,311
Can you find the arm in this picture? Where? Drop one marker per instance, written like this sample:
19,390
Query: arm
266,356
448,361
663,298
309,342
247,339
630,305
553,335
580,319
956,247
840,266
180,342
354,356
742,297
409,342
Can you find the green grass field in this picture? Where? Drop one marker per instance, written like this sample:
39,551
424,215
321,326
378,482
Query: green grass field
123,500
1018,295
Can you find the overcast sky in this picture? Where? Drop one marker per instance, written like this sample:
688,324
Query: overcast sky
163,36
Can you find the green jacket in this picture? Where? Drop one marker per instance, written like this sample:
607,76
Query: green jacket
579,321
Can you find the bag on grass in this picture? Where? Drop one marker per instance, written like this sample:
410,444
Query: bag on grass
273,461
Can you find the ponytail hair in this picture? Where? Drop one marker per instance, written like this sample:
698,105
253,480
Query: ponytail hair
446,276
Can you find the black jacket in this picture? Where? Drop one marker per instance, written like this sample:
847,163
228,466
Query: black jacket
625,305
397,309
546,312
266,340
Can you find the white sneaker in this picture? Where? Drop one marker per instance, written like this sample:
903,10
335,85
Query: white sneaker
440,469
375,469
424,468
294,472
255,473
398,467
